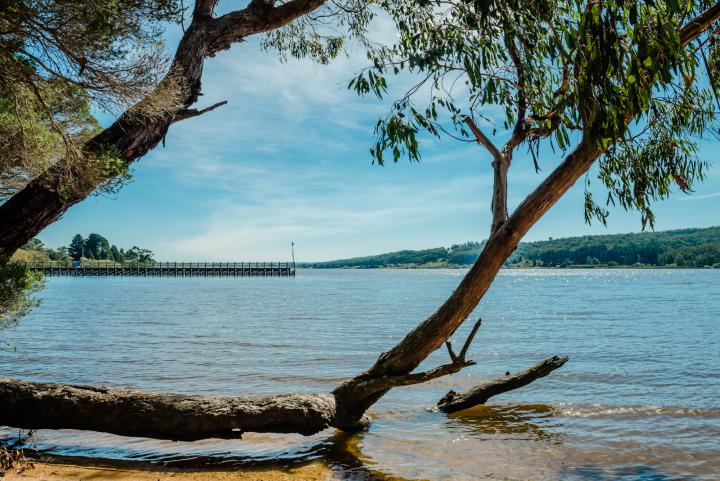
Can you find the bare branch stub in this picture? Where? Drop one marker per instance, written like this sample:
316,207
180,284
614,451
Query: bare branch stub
501,163
470,338
463,352
457,362
189,113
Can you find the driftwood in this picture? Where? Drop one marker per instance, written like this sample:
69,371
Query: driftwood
453,402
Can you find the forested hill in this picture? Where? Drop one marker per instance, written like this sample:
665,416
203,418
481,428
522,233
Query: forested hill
674,248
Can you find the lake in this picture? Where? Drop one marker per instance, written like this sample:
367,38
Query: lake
638,400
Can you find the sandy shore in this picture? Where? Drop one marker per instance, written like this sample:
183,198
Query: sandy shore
67,472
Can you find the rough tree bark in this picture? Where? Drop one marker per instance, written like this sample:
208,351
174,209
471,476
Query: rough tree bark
53,405
44,200
166,416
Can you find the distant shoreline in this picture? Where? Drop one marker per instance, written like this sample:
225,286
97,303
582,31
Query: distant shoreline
515,267
683,248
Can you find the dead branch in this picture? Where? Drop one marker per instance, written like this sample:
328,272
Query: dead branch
453,402
372,386
189,113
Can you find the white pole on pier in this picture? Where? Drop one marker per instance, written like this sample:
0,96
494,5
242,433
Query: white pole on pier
292,249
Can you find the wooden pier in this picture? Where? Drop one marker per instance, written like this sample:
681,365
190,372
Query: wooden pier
165,269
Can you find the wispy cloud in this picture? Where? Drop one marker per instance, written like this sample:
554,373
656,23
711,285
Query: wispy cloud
692,197
327,223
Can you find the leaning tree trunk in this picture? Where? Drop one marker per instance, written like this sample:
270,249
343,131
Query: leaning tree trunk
43,200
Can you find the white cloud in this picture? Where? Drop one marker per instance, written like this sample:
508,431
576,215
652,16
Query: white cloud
326,223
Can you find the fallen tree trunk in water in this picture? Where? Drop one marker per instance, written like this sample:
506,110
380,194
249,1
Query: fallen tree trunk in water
177,417
453,402
162,416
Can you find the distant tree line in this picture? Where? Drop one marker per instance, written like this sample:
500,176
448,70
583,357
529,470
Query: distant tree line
94,247
682,248
676,248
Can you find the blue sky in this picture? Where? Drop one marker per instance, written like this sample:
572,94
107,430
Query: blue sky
287,160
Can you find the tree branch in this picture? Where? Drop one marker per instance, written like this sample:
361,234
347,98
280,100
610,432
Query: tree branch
482,139
458,362
501,164
204,8
189,113
258,17
697,26
453,402
47,197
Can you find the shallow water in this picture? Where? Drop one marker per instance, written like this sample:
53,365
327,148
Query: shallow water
638,400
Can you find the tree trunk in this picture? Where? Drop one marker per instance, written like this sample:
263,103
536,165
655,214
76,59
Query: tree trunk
48,197
127,412
163,416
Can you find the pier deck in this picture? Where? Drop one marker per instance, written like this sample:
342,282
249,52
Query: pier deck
166,269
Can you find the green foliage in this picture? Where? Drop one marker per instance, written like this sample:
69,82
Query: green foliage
36,251
683,248
33,134
17,285
116,255
321,35
97,247
76,249
139,255
105,47
56,58
698,248
559,71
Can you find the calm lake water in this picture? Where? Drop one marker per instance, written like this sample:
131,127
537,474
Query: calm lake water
638,400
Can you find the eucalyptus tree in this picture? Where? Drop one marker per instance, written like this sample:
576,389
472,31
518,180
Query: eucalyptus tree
630,84
637,99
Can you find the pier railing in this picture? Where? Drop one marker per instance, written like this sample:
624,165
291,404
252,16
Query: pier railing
136,268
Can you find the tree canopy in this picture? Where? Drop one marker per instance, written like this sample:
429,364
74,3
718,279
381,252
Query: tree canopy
618,75
94,247
58,57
